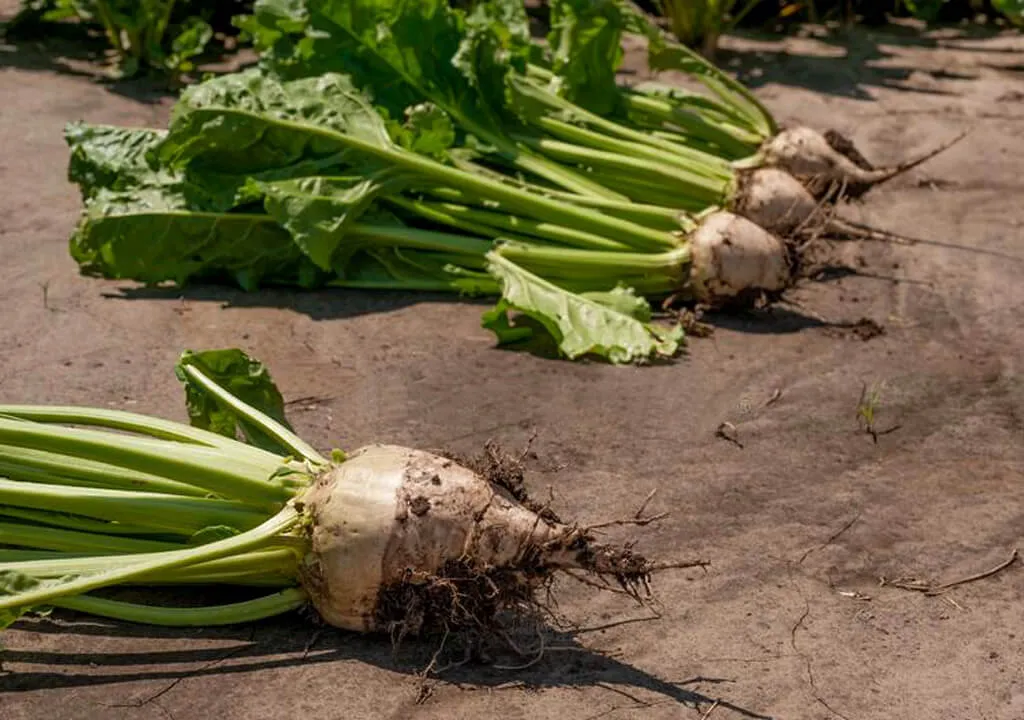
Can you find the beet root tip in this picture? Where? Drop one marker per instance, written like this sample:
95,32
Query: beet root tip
808,155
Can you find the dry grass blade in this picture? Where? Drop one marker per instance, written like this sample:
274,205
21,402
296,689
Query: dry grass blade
929,589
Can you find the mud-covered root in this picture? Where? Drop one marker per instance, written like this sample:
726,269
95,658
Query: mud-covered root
407,542
733,260
843,145
809,156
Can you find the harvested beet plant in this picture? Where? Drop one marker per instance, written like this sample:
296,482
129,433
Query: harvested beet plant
412,146
383,538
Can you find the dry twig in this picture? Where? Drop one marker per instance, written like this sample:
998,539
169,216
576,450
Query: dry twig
929,589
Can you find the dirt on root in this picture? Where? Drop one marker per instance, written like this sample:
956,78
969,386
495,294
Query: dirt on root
473,608
800,517
845,146
506,470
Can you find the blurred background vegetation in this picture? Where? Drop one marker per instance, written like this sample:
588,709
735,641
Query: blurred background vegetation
169,37
162,36
699,23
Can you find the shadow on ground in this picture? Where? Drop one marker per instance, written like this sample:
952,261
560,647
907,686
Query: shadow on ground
334,304
850,62
289,641
75,50
331,304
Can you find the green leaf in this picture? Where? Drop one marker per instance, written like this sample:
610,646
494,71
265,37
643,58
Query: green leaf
125,159
108,158
224,189
579,325
623,300
13,582
252,123
927,10
318,210
154,236
113,158
664,53
402,53
497,320
191,39
585,40
242,376
64,10
1012,9
428,130
496,43
271,19
276,28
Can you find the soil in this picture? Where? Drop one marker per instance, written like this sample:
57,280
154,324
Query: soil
800,517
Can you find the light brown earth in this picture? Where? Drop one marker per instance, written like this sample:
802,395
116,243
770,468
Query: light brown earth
799,523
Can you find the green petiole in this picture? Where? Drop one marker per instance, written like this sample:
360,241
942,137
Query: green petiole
695,162
214,469
240,612
172,513
519,201
85,524
706,190
162,562
51,538
573,263
504,222
270,562
55,469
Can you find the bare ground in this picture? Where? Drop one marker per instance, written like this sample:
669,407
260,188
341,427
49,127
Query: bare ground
799,519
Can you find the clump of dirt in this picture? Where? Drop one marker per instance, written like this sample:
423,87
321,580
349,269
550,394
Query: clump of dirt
462,599
845,146
483,601
505,470
864,329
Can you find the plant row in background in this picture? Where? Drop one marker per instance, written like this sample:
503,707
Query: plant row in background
168,36
700,23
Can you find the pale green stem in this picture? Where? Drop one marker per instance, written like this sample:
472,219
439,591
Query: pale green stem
209,616
82,524
528,226
267,424
136,423
53,469
51,538
47,592
276,561
173,513
215,469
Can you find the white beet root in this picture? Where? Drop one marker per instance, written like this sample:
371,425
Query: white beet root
779,203
775,200
391,516
804,152
807,154
732,257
